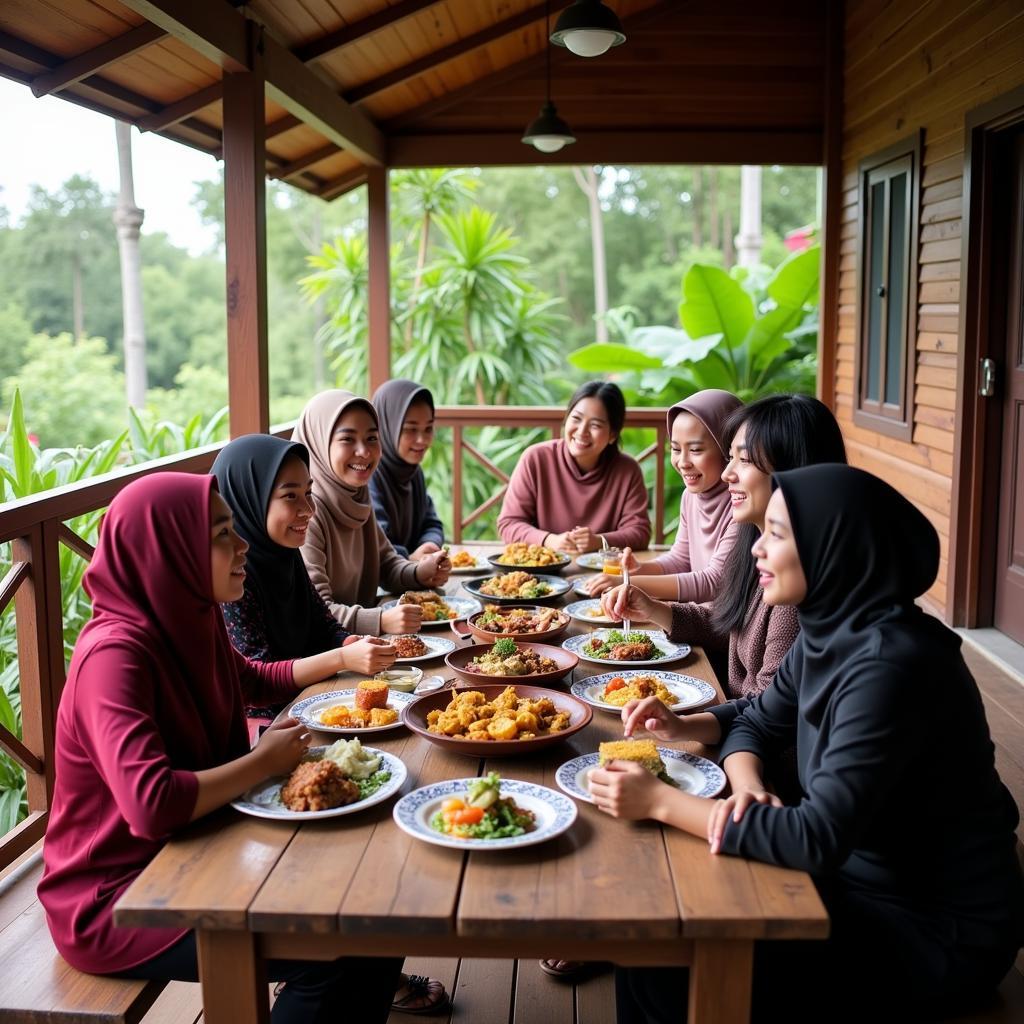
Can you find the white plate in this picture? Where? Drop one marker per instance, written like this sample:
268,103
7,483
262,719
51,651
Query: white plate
481,565
671,651
438,646
578,609
554,814
465,606
263,801
591,560
579,585
694,775
689,691
308,711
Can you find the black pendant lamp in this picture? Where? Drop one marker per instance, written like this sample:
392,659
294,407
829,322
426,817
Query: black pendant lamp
547,132
588,28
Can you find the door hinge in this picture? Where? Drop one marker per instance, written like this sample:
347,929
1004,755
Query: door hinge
987,388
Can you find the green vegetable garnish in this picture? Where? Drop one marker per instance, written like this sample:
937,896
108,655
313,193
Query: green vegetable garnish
505,647
367,787
483,792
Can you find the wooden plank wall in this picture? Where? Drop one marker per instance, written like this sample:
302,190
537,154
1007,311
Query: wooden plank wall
908,65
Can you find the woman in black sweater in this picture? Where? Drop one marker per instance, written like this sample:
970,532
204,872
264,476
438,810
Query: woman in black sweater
903,822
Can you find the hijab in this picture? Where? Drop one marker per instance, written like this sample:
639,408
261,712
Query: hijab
151,588
399,485
344,506
867,553
246,470
713,514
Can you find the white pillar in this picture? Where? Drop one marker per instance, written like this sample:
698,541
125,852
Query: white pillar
748,241
128,218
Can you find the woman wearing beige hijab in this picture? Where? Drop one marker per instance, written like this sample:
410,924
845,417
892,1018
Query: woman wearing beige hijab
345,551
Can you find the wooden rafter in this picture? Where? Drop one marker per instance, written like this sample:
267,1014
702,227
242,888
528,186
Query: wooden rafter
446,53
307,160
317,49
96,59
345,183
219,34
170,115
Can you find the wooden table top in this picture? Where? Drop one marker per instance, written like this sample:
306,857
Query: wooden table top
603,882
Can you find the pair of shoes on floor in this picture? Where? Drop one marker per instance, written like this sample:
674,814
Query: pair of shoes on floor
420,994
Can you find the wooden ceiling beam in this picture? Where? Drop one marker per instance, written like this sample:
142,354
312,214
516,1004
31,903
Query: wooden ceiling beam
294,167
655,146
447,53
342,184
178,111
96,59
317,49
219,34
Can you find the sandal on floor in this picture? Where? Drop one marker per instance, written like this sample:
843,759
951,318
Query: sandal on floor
422,995
567,969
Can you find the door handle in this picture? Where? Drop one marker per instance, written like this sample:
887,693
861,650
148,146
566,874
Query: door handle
987,387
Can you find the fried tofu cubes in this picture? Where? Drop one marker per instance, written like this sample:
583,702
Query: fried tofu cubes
470,716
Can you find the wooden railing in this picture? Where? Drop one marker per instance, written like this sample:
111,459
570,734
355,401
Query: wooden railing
36,529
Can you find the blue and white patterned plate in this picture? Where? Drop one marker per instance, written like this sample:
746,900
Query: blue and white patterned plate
264,800
689,691
694,775
578,610
554,814
465,606
669,650
308,711
437,647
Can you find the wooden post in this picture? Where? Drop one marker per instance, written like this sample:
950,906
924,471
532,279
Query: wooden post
379,270
245,244
832,215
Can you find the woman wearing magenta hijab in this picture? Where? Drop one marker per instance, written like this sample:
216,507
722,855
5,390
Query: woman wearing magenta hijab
151,735
915,863
692,570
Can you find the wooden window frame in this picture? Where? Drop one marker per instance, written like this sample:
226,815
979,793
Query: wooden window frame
894,420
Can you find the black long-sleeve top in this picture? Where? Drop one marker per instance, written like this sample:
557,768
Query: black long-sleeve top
902,796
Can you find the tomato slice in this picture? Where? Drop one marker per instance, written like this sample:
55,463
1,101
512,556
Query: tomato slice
468,816
618,683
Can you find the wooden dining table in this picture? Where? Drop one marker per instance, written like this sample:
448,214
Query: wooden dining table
633,893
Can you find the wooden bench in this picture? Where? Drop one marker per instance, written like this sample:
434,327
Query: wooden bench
38,986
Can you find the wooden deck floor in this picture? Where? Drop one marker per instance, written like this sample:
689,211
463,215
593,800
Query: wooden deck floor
484,992
518,992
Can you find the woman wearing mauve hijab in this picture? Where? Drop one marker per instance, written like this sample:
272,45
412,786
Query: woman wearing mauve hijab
904,823
151,735
404,509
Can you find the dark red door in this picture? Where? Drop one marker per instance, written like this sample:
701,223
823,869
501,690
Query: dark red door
1009,596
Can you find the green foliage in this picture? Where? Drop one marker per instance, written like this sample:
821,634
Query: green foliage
14,333
751,333
73,390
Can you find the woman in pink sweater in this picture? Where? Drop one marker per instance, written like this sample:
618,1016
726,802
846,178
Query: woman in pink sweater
692,570
151,735
568,494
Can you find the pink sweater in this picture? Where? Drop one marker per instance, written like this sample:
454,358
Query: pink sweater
704,539
121,793
548,493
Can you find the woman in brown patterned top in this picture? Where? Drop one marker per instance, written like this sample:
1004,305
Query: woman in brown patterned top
776,433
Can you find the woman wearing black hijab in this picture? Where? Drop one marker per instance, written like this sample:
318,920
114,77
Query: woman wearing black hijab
265,481
401,504
904,823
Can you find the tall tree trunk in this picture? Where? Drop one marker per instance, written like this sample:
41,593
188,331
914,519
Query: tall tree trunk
713,207
319,306
421,262
728,249
698,207
587,181
77,307
128,218
748,241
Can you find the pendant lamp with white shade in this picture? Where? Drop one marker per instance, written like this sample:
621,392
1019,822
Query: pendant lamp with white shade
588,28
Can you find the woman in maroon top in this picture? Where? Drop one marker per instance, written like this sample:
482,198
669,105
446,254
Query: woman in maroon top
151,735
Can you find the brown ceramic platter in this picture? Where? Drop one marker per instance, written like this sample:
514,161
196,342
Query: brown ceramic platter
560,625
458,660
415,718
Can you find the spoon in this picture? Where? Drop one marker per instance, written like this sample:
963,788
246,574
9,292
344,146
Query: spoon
625,580
429,684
